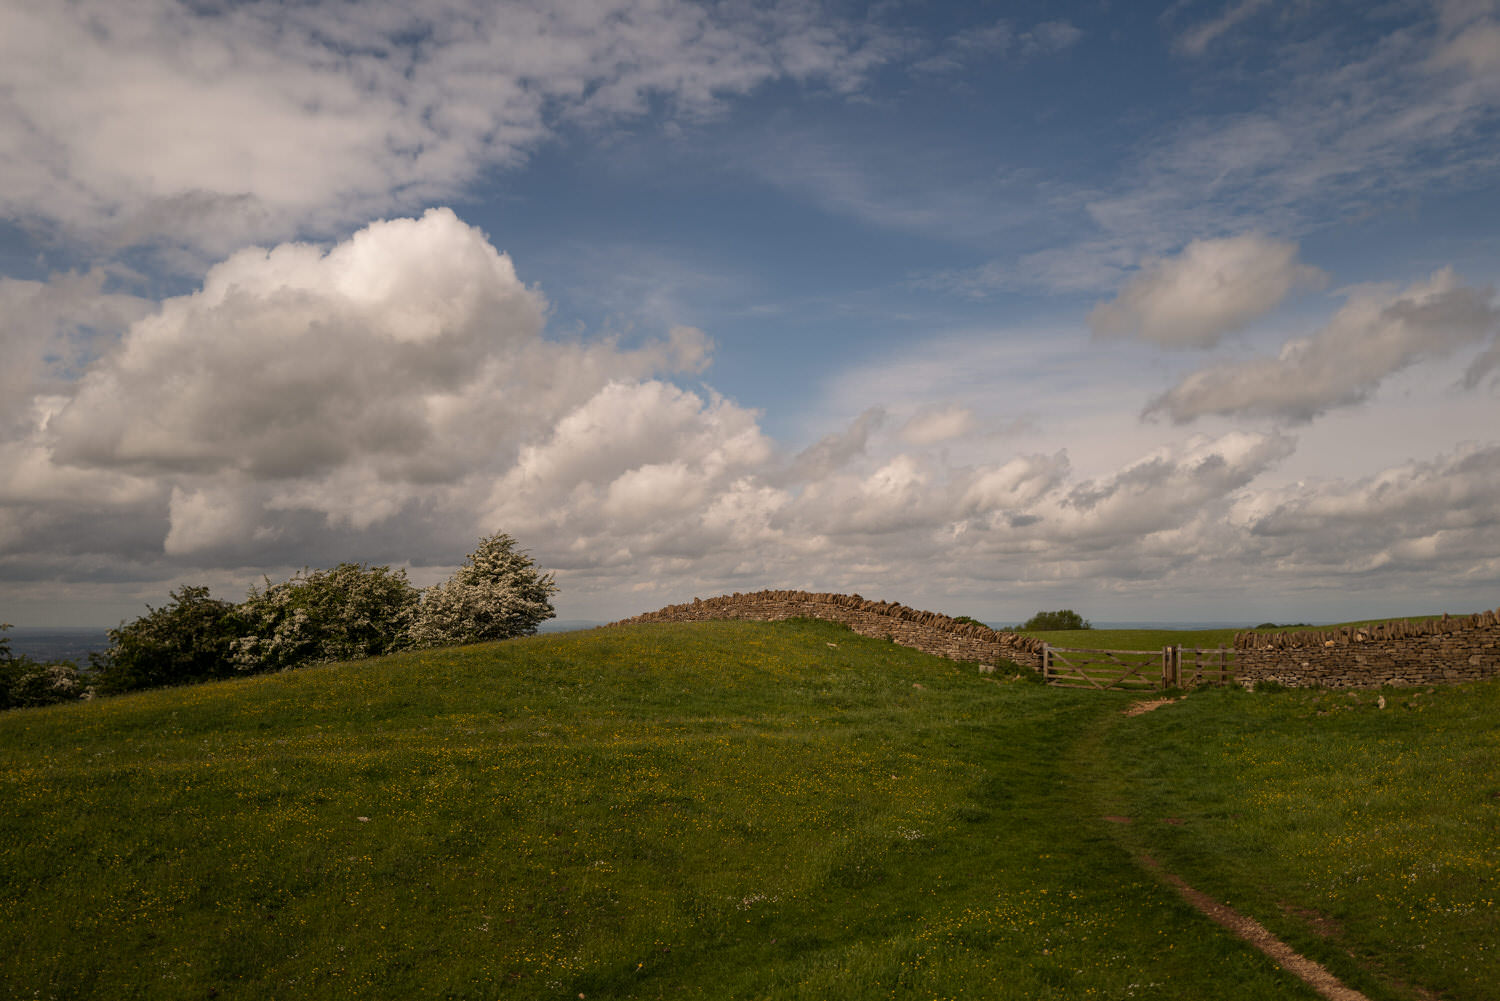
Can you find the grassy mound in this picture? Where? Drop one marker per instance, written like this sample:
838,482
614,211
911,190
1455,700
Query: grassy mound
714,810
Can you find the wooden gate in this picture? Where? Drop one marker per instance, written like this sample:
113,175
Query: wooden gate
1193,666
1136,670
1117,670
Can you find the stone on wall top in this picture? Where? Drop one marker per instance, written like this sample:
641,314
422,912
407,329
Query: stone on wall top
1396,629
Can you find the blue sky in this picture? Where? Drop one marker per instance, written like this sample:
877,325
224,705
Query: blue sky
1160,312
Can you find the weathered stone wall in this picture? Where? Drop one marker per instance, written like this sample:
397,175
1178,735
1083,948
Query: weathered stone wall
929,632
1436,651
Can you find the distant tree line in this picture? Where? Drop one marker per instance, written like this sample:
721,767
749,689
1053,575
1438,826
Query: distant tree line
347,613
1047,622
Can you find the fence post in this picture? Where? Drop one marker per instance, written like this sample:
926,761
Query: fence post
1177,665
1046,662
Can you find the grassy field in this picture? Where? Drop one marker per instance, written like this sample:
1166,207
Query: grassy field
1361,827
1155,639
723,810
1137,639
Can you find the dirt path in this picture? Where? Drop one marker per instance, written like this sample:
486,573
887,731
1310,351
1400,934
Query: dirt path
1314,974
1136,708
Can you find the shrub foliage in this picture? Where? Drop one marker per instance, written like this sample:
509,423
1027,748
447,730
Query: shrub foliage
496,594
28,682
185,641
1056,621
348,613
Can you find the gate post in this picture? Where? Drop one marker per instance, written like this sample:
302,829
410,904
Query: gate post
1046,663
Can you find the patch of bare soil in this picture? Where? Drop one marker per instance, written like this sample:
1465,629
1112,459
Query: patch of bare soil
1315,975
1136,708
1321,924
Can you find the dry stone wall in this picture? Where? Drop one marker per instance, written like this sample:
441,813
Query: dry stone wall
929,632
1435,651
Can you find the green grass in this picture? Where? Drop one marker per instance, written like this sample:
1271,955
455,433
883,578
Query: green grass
715,810
1367,837
1368,622
1155,639
1138,639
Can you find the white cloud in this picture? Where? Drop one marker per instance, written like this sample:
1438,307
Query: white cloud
1027,503
1050,36
1479,370
1472,39
1212,288
305,396
159,120
939,424
905,494
997,40
833,452
1337,127
1196,40
48,328
1435,519
1376,333
212,518
1011,488
394,396
639,472
295,360
930,192
1169,488
625,427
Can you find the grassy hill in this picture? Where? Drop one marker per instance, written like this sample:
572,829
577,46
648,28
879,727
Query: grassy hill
732,810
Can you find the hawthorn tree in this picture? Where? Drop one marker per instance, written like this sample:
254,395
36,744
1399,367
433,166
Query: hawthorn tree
347,613
185,641
497,593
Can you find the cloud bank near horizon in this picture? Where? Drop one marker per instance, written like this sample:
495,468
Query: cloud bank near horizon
396,395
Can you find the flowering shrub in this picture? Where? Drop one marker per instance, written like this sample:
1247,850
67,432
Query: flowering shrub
185,641
346,613
27,682
496,594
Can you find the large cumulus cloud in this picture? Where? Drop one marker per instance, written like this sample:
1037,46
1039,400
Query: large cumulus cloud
305,395
292,361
